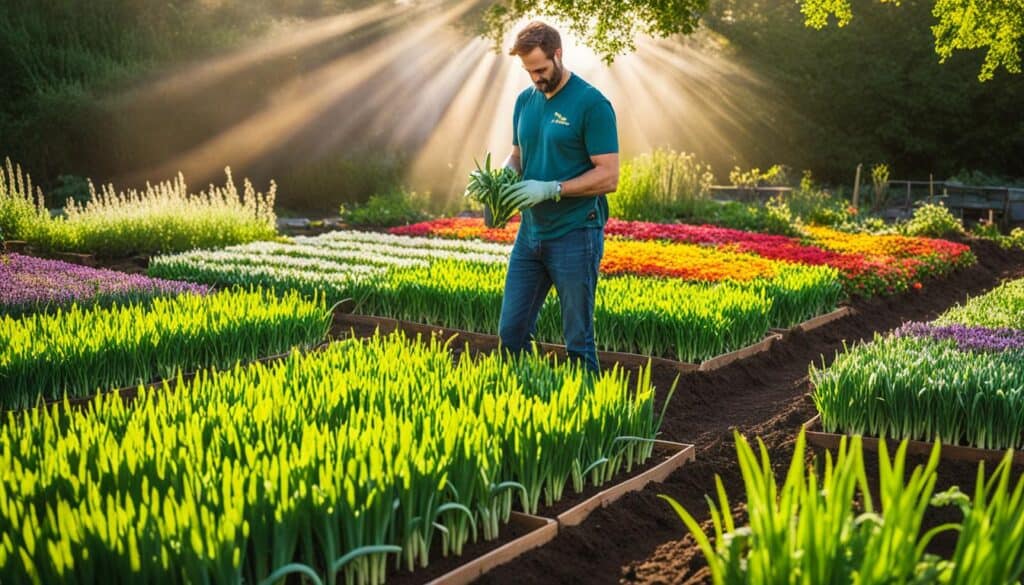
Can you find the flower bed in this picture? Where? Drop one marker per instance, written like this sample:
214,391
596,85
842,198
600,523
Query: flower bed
867,265
30,284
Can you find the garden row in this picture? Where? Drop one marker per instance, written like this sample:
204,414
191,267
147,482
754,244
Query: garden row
826,524
867,264
958,379
321,464
711,302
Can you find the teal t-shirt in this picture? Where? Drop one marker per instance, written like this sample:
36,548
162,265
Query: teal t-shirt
556,139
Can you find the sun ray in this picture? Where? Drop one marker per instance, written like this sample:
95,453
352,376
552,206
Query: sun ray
399,78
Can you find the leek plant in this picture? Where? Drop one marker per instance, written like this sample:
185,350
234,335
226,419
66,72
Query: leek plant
79,351
489,186
650,316
323,465
823,525
1001,307
459,284
924,389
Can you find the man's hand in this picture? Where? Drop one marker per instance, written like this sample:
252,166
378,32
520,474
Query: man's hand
525,194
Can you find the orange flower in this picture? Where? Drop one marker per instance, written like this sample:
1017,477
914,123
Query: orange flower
687,261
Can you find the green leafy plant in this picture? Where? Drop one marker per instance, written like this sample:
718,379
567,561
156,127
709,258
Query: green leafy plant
22,213
399,207
489,186
879,186
808,530
934,221
77,351
660,185
823,524
923,389
321,463
1002,307
812,204
162,218
991,231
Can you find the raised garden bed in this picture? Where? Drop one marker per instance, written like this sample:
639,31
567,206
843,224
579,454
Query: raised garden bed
823,440
675,454
816,322
490,342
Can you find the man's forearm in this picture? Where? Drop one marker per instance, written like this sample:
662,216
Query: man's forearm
597,181
513,163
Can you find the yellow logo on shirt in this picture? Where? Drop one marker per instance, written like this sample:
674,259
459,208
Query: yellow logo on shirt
560,119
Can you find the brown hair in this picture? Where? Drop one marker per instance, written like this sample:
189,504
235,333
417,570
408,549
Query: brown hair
536,34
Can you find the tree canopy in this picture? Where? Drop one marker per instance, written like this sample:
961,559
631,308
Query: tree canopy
609,27
994,25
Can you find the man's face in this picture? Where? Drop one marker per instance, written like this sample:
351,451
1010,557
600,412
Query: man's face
545,73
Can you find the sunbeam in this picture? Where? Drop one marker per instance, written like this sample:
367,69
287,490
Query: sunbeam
403,77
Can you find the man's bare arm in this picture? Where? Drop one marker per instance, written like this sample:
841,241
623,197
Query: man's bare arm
514,160
603,178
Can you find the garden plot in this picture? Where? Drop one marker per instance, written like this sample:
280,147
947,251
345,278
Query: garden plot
655,309
79,351
958,380
323,464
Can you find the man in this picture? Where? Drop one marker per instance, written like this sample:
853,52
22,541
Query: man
564,142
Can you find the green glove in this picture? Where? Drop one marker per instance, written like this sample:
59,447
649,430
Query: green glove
525,194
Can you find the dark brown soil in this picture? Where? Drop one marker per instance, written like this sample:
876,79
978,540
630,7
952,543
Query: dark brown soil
440,565
639,538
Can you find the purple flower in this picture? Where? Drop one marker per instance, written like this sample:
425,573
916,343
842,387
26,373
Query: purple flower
967,337
28,283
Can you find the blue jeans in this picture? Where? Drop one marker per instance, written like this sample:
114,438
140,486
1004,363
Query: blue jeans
570,263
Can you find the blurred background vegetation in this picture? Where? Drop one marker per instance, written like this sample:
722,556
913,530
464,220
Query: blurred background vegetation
870,92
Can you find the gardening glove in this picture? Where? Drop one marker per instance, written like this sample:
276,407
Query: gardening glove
525,194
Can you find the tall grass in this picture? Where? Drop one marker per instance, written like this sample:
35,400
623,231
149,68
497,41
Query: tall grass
159,219
20,214
661,184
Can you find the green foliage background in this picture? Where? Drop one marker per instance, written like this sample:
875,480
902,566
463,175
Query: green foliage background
871,91
874,91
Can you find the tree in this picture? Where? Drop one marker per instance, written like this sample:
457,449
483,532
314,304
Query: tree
609,27
995,25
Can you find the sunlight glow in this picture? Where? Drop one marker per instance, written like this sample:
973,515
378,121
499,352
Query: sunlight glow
404,77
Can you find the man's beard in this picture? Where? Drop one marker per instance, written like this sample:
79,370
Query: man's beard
549,85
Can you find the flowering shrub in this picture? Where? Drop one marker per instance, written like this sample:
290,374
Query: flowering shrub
933,221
